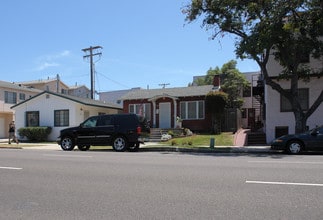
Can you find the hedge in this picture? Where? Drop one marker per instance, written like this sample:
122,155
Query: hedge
35,133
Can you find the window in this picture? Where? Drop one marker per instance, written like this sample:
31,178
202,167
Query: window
192,110
303,57
303,94
10,97
141,109
61,118
280,131
22,96
105,121
90,123
32,119
247,92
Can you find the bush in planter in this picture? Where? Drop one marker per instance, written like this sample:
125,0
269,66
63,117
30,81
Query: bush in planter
35,133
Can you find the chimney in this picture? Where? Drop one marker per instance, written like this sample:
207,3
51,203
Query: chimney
216,81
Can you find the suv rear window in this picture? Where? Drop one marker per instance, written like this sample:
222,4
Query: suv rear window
126,120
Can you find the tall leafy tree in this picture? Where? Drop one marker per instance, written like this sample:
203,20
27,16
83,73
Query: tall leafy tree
233,82
285,29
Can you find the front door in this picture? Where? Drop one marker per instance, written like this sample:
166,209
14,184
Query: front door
251,117
164,115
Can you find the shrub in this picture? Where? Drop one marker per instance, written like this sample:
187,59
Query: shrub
184,142
35,133
173,143
170,132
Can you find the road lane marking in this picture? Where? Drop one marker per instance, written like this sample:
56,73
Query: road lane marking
282,162
284,183
11,168
58,155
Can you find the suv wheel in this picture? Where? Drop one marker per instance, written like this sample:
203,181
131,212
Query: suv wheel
83,147
294,147
133,147
67,143
119,143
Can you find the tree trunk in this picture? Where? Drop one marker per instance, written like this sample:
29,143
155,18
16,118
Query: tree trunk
300,122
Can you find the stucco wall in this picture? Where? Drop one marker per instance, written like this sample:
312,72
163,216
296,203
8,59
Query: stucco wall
46,104
274,117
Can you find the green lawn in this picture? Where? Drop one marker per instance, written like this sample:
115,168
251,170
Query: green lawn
198,140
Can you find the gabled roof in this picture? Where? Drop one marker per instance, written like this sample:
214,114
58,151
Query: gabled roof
173,92
84,101
16,86
115,96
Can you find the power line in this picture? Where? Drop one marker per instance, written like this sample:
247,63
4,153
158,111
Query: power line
116,82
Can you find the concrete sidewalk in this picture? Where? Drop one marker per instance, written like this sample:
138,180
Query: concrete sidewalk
148,146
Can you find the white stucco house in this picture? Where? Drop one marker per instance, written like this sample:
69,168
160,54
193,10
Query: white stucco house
58,111
280,119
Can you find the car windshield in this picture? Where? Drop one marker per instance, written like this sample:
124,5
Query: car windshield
317,129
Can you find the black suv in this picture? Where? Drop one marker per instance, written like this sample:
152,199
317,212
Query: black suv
122,131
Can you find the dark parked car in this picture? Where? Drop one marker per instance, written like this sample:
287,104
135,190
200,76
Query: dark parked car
295,143
122,131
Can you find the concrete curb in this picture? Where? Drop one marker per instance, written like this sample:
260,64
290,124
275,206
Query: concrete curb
154,148
264,150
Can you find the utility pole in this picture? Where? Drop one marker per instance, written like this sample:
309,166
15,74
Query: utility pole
164,85
90,53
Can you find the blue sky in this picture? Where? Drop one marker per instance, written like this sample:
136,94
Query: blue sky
145,43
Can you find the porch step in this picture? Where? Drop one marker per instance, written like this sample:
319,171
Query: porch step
155,134
256,138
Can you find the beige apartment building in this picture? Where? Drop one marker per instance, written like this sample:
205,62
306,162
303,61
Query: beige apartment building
11,94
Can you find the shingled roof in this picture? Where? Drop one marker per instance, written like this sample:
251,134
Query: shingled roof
84,101
173,92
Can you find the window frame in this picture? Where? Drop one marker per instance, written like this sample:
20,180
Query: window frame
32,115
22,96
146,109
247,92
10,97
198,106
61,118
285,106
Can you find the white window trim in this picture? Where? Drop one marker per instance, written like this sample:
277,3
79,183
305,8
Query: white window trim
196,110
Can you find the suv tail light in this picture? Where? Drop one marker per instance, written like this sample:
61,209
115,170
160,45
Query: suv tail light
138,130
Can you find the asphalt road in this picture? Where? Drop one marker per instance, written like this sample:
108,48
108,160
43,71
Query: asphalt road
43,184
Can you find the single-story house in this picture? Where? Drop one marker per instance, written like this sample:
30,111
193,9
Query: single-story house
58,111
171,107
